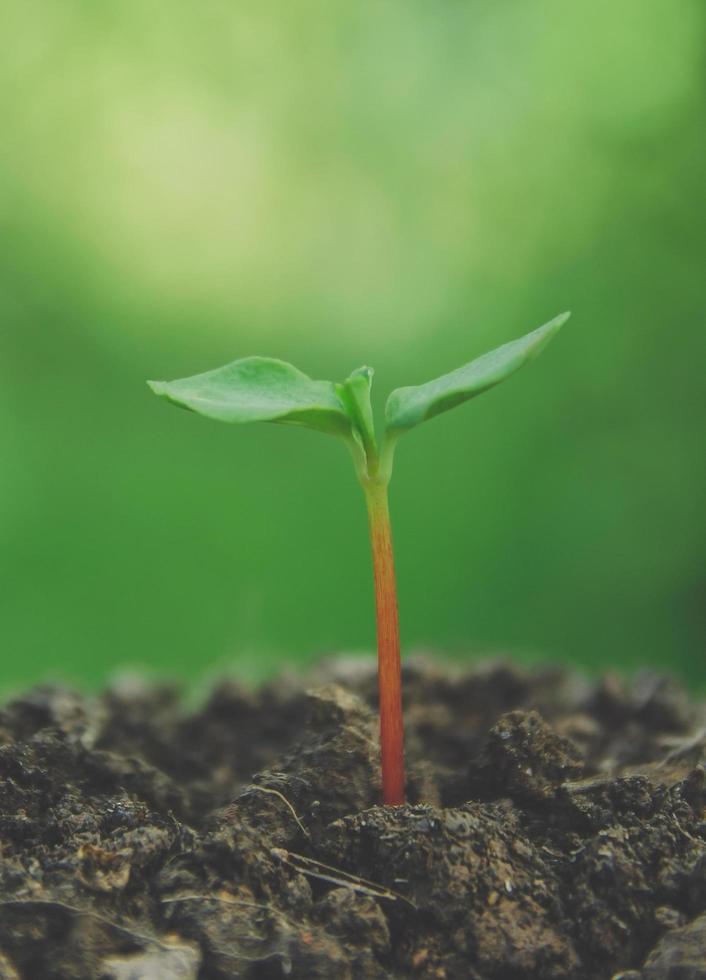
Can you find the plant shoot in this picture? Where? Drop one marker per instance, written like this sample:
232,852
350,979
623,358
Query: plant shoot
262,389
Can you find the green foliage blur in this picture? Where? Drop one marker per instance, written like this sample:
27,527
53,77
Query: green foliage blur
400,184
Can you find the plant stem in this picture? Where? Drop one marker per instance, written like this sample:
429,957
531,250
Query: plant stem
388,636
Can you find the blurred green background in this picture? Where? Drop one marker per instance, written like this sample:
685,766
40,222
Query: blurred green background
402,184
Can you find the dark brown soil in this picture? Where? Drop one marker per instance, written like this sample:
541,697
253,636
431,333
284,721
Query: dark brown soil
556,829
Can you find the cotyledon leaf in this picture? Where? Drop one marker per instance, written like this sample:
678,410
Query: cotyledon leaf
407,407
260,389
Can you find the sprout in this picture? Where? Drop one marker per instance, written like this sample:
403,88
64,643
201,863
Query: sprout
262,389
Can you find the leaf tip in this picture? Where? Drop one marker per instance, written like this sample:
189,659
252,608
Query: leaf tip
158,387
544,334
363,372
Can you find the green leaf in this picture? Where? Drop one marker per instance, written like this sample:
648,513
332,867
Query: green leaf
260,389
354,392
407,407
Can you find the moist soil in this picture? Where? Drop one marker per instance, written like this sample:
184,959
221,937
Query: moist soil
555,828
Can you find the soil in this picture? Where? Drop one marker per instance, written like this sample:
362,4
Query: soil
556,828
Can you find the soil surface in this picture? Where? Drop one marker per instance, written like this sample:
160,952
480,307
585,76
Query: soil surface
556,828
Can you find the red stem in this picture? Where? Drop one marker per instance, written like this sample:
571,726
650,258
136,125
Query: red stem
388,636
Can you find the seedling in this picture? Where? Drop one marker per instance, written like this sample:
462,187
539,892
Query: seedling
262,389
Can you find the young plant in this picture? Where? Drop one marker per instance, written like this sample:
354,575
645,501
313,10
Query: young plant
262,389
